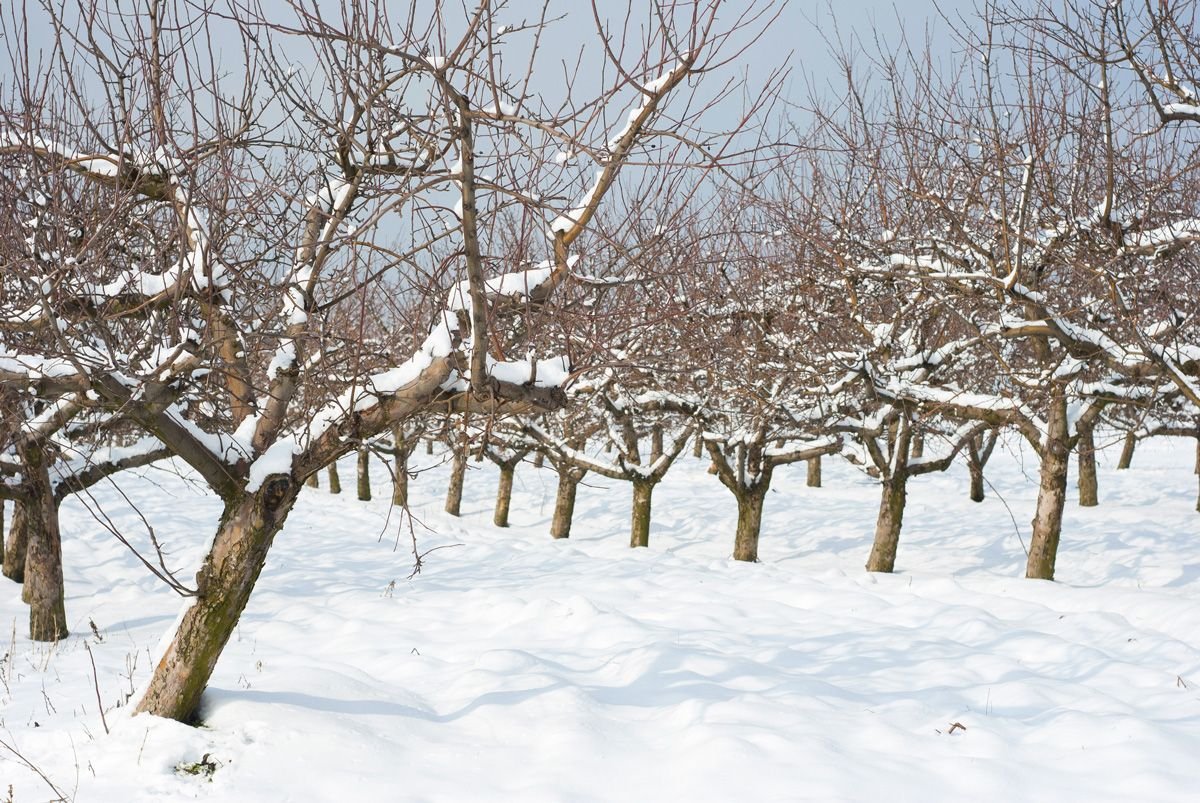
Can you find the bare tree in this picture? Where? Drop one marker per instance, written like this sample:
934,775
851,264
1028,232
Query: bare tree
352,152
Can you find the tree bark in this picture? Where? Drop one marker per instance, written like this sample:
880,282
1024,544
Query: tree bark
893,493
1089,495
539,459
458,472
17,543
814,472
402,448
975,470
640,530
335,481
1052,491
504,495
239,551
43,588
364,474
749,524
564,501
918,445
656,442
698,446
1127,451
313,481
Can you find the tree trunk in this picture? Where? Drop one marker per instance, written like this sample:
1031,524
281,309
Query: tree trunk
458,472
429,446
43,556
539,459
364,474
918,445
401,449
975,470
1089,495
564,501
504,495
335,481
239,551
749,524
1052,492
313,481
893,493
17,544
814,472
1,531
640,531
656,442
698,446
1127,451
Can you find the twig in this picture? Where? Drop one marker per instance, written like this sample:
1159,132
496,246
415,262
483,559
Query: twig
62,798
96,686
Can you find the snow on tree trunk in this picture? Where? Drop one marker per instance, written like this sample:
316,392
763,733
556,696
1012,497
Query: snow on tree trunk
364,474
335,480
814,472
893,493
1089,495
1127,451
1052,491
43,588
239,551
639,534
749,524
504,495
17,543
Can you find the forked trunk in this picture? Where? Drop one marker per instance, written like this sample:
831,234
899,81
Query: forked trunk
43,556
640,531
458,473
1089,495
1127,451
893,493
1052,492
17,544
364,474
224,583
335,481
814,472
504,495
564,501
749,524
975,470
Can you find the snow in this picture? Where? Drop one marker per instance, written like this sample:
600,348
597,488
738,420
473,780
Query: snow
518,668
567,221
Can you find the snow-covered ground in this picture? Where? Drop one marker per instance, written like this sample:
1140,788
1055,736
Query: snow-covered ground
518,668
